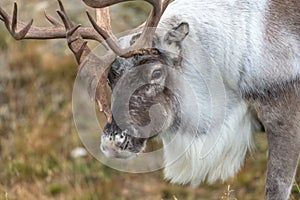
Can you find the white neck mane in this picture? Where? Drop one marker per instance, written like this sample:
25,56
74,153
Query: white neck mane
224,159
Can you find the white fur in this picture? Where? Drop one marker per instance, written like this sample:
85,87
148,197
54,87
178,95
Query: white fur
233,40
232,32
222,162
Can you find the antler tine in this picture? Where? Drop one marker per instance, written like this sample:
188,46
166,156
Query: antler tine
109,40
14,17
11,25
51,19
145,40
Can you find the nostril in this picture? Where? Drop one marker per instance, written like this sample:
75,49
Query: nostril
111,137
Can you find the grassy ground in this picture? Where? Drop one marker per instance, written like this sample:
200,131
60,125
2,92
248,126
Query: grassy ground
37,134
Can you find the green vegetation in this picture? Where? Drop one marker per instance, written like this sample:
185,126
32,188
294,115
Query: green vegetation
37,134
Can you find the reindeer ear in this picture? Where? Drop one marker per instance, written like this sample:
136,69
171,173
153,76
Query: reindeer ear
178,33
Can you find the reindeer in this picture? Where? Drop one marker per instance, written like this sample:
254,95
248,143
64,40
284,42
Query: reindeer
255,48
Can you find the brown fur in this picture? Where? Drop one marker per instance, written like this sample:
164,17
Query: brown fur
280,113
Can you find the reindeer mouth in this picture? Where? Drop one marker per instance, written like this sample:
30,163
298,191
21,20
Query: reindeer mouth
121,145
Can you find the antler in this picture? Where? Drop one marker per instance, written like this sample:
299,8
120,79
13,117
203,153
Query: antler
27,31
144,43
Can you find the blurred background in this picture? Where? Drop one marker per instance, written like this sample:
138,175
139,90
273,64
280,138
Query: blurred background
37,132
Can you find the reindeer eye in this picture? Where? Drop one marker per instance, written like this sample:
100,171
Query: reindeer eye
156,74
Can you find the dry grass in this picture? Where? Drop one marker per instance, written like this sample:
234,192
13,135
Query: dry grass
228,194
37,134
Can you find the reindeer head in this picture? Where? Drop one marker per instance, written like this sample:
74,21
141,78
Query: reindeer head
143,104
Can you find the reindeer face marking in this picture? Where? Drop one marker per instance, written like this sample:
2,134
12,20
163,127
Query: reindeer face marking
146,76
